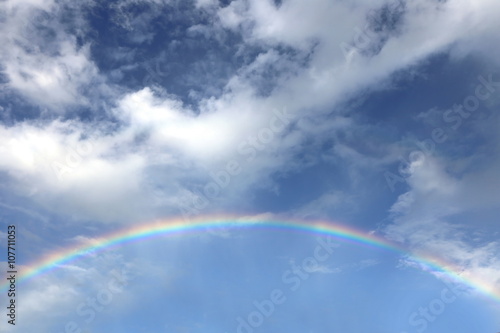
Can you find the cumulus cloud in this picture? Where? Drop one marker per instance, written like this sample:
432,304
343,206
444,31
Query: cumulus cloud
62,161
180,146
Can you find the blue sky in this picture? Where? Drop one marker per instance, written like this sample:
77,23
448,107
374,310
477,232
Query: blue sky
381,115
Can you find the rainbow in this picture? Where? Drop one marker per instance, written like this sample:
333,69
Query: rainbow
203,224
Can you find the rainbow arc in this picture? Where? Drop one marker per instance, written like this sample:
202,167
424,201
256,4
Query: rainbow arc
165,228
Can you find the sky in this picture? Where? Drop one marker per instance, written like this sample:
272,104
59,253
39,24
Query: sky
377,115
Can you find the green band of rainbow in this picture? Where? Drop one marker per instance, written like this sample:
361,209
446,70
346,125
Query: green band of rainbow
180,226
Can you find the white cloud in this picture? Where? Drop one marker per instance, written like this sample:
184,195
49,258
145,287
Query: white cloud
423,220
324,269
54,164
49,71
51,300
206,3
159,132
328,205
